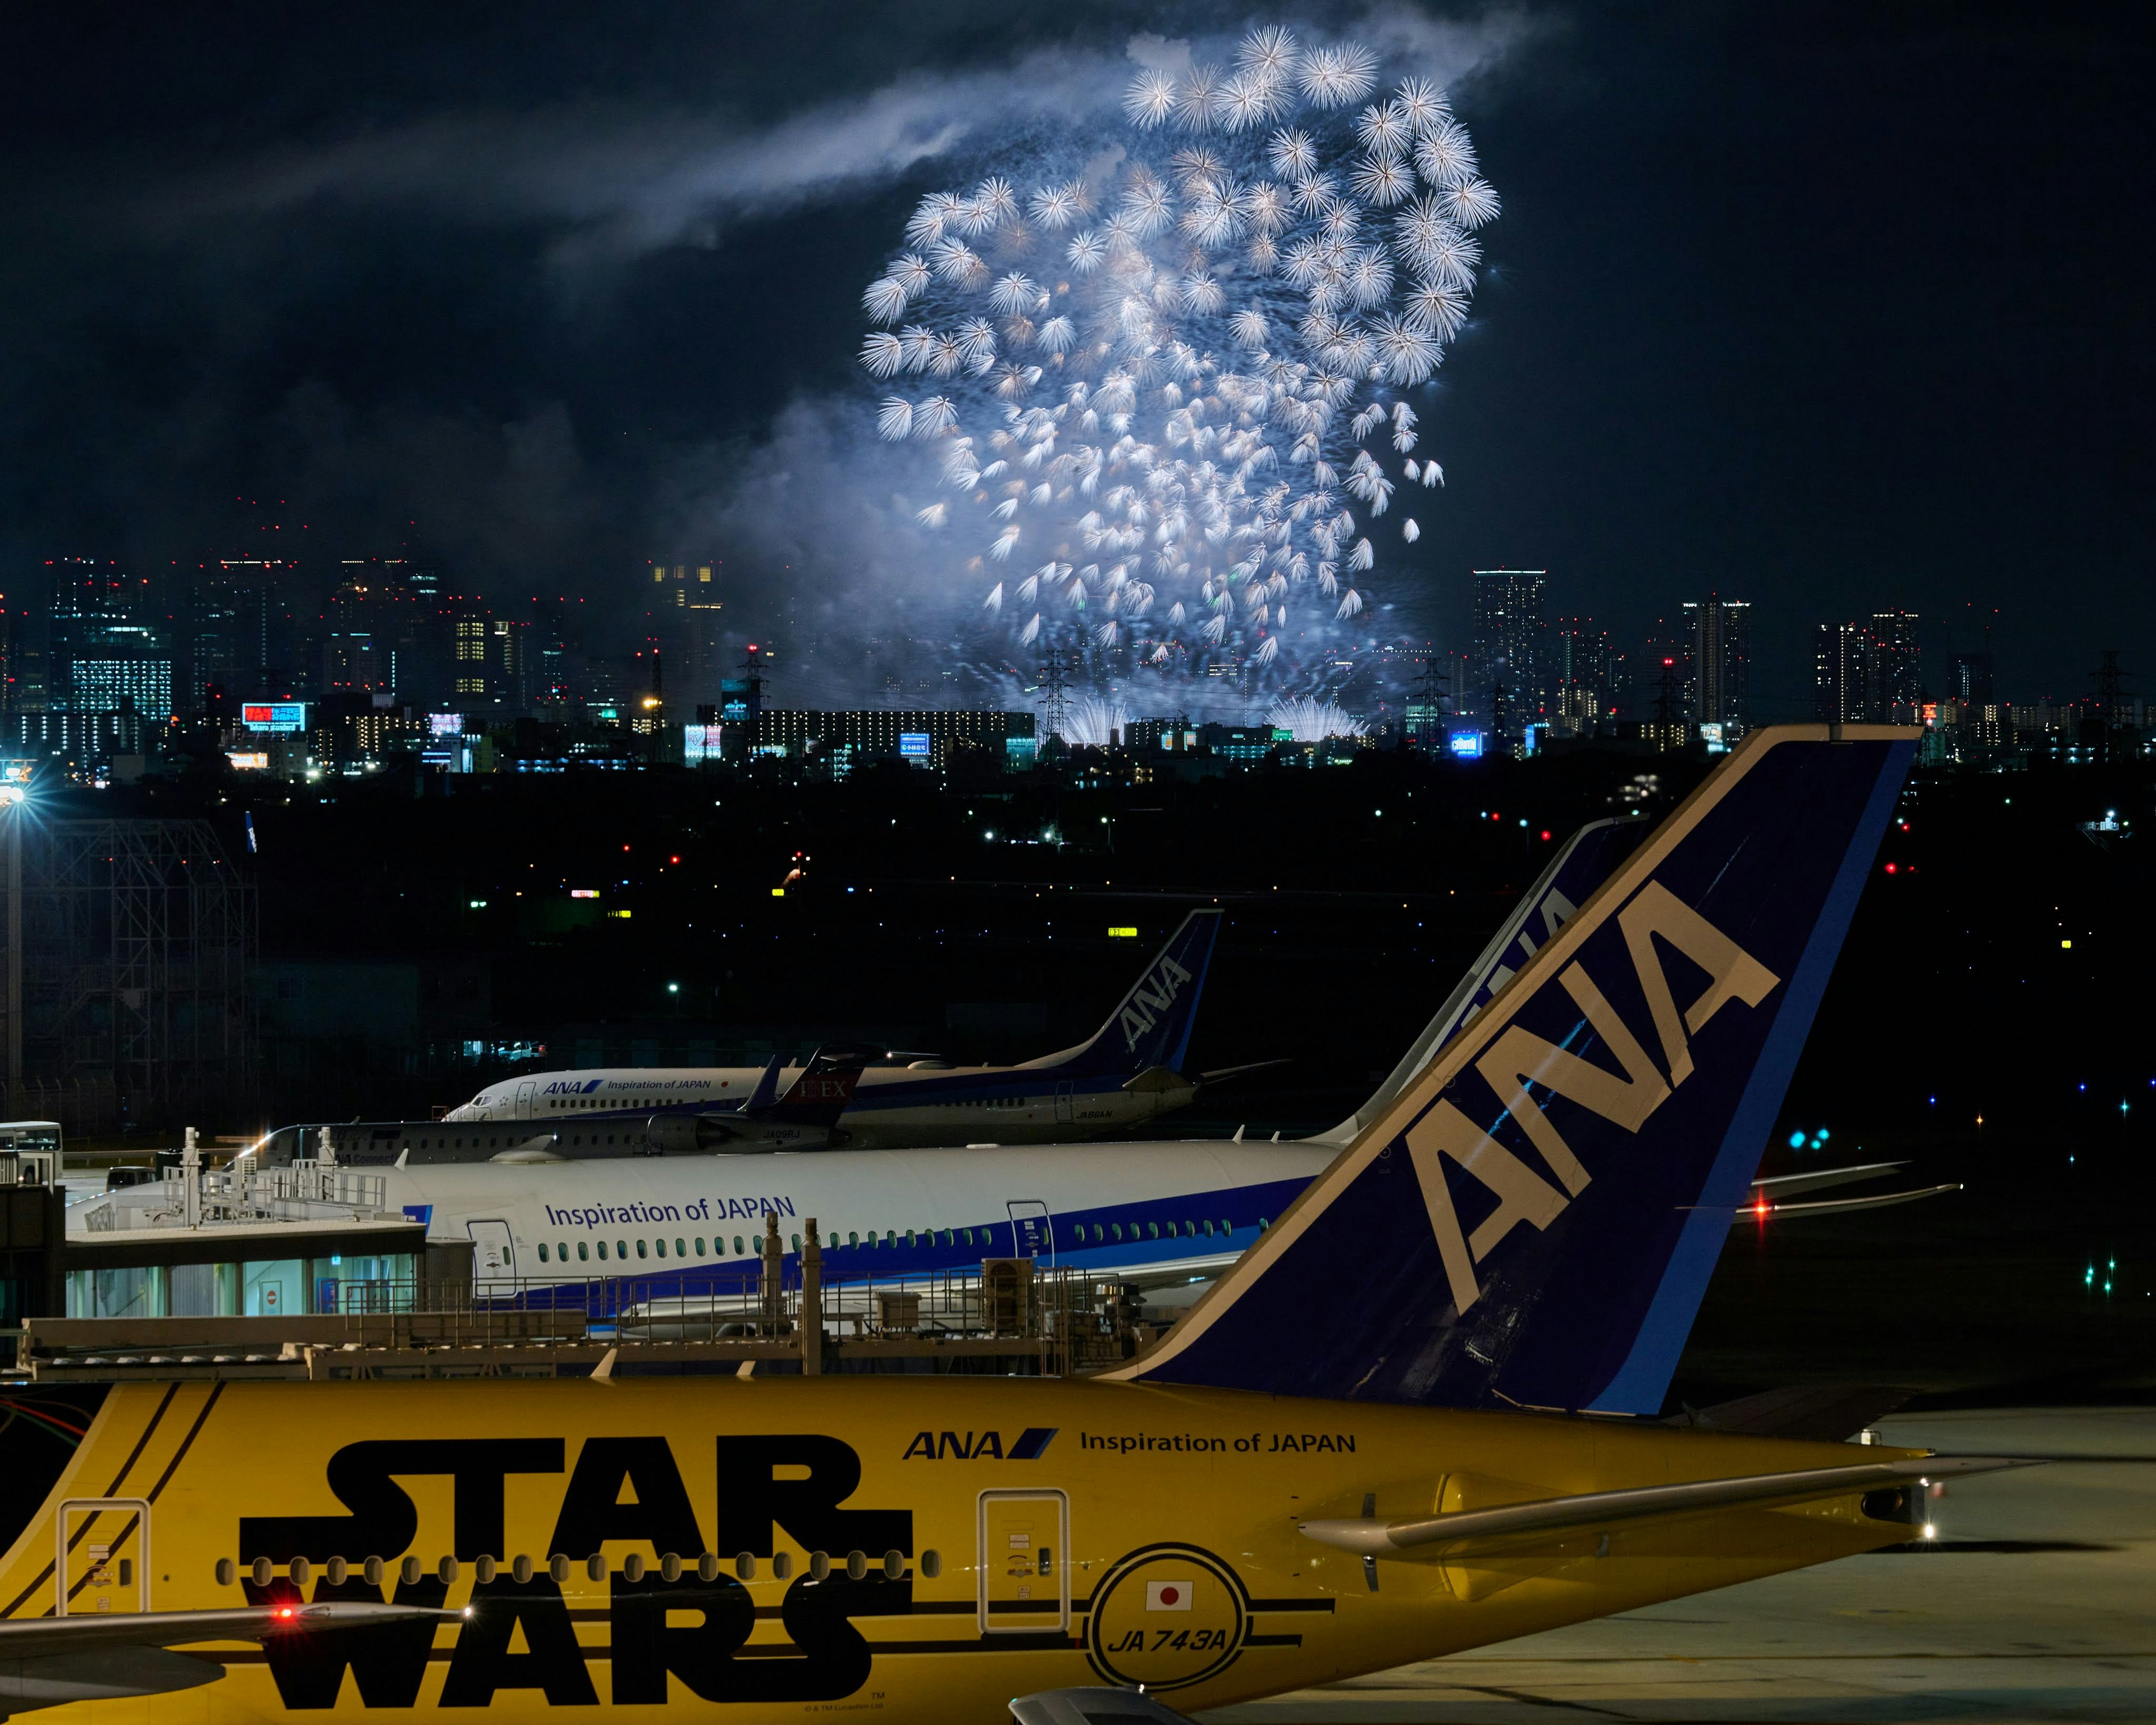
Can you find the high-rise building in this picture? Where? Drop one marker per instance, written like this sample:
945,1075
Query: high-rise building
469,684
106,653
1719,686
1509,650
1894,676
1839,662
1583,665
1969,678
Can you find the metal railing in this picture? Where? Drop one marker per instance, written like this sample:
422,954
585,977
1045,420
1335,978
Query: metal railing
1011,1312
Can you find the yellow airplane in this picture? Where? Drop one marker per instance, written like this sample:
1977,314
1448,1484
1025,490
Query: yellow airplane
1417,1417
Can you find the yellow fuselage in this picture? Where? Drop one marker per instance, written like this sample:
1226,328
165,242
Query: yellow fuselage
1047,1533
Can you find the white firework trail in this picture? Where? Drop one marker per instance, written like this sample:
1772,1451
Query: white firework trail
1090,722
1308,721
1163,358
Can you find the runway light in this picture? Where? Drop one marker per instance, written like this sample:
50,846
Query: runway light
673,988
1930,1531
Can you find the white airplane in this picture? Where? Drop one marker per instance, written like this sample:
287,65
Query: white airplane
1127,1073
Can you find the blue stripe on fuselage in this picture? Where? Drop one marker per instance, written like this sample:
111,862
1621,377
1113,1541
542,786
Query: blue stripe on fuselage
1145,1240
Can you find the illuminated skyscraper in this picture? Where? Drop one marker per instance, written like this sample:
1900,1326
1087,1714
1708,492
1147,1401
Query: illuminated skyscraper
106,653
1838,665
1719,683
1894,676
1584,680
1509,649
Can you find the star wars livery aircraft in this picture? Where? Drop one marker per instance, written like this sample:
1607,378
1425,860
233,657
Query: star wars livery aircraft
1128,1072
1420,1416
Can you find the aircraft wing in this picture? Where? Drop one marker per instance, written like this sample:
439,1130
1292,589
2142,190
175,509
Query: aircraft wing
1464,1530
49,1661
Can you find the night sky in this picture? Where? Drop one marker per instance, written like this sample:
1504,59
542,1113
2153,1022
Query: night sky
1829,308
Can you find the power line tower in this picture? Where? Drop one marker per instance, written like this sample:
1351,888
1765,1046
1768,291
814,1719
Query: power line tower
1054,701
1429,693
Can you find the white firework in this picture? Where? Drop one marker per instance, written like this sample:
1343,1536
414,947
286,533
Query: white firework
1165,358
1090,722
1308,721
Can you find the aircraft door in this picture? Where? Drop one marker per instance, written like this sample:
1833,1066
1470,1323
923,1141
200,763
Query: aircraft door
527,1098
494,1253
1063,1106
1032,1235
1025,1562
102,1559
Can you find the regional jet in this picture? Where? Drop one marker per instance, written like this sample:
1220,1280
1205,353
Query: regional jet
1128,1072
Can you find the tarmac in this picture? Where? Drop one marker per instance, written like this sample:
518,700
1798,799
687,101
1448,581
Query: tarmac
2037,1601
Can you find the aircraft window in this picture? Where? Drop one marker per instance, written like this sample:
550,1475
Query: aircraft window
643,1249
1171,1230
797,1242
700,1245
949,1237
1263,1224
1227,1227
542,1252
621,1248
1208,1225
561,1250
583,1252
1115,1229
890,1237
682,1252
909,1236
1152,1230
1188,1228
852,1239
602,1251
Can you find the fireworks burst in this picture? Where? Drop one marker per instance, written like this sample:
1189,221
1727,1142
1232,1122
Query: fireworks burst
1308,721
1169,388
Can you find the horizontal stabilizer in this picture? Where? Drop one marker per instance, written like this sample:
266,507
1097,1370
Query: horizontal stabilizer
1587,1511
1765,1210
1778,1187
1092,1707
1817,1413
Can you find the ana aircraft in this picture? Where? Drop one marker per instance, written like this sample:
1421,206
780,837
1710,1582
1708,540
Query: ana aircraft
1418,1415
1129,1071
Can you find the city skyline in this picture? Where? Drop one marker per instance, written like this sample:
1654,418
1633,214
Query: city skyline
528,382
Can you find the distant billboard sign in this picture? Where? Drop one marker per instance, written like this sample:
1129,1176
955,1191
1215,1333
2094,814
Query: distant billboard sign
914,745
248,760
445,724
275,715
700,742
1466,745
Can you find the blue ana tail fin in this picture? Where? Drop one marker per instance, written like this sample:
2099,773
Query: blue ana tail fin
1150,1024
766,1087
1587,859
1532,1221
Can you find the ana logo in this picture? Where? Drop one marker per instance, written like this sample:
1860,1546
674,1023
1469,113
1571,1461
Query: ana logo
1518,1058
1151,998
570,1087
966,1446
